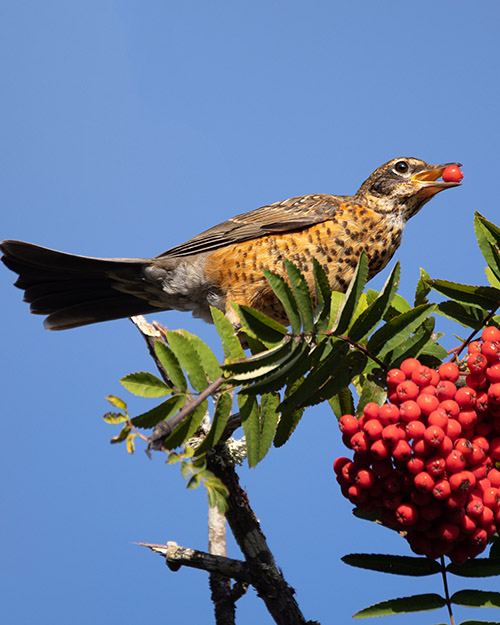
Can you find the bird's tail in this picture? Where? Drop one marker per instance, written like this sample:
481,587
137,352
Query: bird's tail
75,290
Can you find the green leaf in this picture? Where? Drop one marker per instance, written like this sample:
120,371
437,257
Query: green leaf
114,417
288,370
466,315
286,426
479,567
480,623
230,342
130,443
261,364
269,417
208,359
397,330
492,279
373,389
285,295
121,436
481,296
171,365
145,384
189,359
341,376
495,548
398,306
117,402
404,605
249,414
476,598
396,565
342,402
488,238
323,296
160,413
422,340
193,482
260,326
375,312
186,428
336,302
352,296
302,295
221,414
423,289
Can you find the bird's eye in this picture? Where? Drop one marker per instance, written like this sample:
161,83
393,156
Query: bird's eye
401,167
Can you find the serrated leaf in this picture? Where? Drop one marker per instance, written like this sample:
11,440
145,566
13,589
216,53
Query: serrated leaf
187,428
288,370
260,326
352,296
208,359
476,598
492,279
354,363
269,417
130,443
488,238
342,402
466,315
478,567
171,365
302,295
249,414
481,296
375,311
255,363
117,402
396,565
323,296
285,295
398,306
422,340
403,605
221,415
189,359
173,457
287,425
398,330
119,438
336,302
423,289
145,384
160,413
114,417
217,499
230,342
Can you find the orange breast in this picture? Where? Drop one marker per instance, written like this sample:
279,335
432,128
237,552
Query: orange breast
336,243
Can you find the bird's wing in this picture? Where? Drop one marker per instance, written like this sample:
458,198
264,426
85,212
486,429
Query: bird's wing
293,214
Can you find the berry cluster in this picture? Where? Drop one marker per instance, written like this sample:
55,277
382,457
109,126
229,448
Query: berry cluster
425,461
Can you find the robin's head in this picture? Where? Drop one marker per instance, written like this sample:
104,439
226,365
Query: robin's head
403,186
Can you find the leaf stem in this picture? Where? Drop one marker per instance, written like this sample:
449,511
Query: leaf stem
446,591
456,350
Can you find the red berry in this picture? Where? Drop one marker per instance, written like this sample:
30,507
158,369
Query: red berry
422,375
477,381
427,403
421,447
392,434
448,531
434,435
431,511
493,373
395,377
409,410
391,500
371,410
373,428
415,429
409,365
453,429
448,371
407,390
476,456
424,482
380,449
474,347
360,442
446,390
348,424
455,461
401,451
466,397
415,465
406,514
477,363
435,465
479,537
462,481
438,417
452,173
490,350
382,468
356,494
491,333
494,477
467,418
491,497
442,489
450,407
339,464
475,507
389,413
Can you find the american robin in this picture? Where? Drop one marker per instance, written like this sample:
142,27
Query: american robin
226,262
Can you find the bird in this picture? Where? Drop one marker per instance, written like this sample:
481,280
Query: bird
226,263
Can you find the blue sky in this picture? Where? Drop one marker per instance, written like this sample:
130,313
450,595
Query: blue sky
128,127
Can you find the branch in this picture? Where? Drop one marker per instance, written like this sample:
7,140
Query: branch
176,556
265,576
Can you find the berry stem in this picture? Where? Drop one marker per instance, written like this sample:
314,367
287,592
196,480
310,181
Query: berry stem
446,591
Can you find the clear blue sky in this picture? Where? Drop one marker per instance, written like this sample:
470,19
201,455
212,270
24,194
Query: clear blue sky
128,127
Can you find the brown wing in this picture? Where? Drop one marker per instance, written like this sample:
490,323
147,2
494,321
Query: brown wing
293,214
